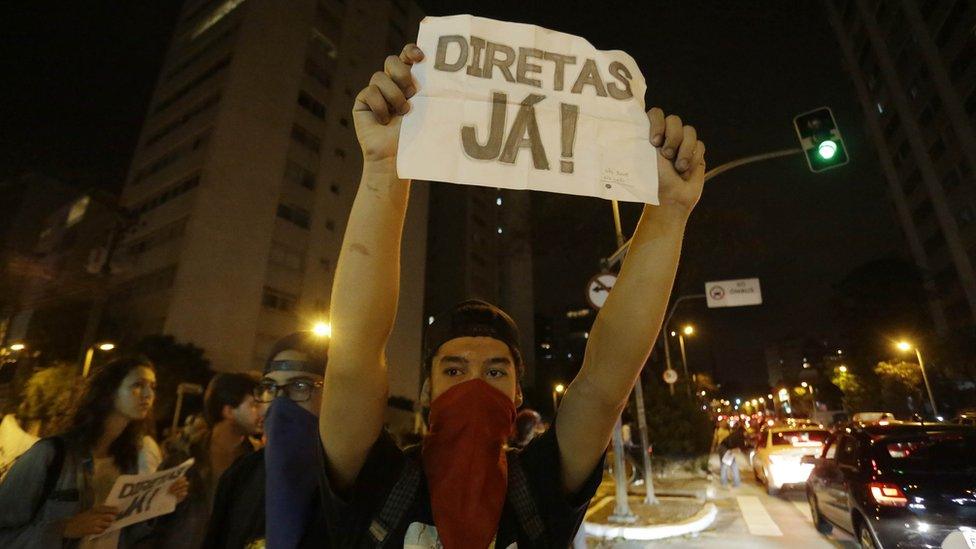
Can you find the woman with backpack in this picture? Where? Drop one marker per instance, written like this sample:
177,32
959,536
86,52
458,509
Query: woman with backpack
54,495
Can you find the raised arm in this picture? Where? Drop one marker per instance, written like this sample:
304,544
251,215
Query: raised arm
367,280
628,324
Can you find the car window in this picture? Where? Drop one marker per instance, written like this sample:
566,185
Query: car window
847,451
831,451
931,452
799,438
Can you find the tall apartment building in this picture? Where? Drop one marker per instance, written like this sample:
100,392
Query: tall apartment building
479,246
245,173
914,68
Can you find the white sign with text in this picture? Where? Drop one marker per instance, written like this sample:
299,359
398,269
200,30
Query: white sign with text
142,497
517,106
733,293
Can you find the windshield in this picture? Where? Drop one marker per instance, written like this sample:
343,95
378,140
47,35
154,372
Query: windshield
931,452
799,438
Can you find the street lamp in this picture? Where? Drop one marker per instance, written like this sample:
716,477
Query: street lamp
18,347
90,354
322,329
905,346
558,390
688,330
843,369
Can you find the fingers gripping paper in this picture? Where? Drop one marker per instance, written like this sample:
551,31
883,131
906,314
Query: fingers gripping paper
521,107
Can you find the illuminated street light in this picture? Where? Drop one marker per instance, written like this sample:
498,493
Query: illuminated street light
688,330
557,390
560,388
843,369
905,346
804,385
322,329
769,396
90,355
18,347
762,400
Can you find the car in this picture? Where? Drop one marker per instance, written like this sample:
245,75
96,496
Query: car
777,461
897,485
966,417
882,418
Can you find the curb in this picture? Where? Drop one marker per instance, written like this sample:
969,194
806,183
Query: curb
701,520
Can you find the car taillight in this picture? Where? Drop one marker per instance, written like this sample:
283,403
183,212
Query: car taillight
888,494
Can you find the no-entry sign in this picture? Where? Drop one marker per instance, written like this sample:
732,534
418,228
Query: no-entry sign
733,293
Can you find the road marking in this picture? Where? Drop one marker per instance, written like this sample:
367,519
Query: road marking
804,509
757,518
598,506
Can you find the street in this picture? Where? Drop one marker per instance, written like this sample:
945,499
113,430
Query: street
748,517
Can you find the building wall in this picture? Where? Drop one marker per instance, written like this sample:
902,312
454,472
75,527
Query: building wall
246,171
914,68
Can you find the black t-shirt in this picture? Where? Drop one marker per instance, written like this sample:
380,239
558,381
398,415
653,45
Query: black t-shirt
349,519
238,516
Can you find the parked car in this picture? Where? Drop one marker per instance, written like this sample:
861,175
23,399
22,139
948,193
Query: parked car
777,461
898,485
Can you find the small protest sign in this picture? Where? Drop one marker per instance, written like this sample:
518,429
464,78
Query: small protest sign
142,497
518,106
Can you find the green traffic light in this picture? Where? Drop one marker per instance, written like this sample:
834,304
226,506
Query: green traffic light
827,149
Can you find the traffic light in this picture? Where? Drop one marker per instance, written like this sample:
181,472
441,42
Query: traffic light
820,139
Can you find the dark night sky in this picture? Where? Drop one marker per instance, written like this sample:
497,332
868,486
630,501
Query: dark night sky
77,78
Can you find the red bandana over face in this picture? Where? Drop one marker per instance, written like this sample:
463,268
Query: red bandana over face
464,461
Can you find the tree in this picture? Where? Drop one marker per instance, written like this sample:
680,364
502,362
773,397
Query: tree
900,381
861,393
49,394
175,363
677,426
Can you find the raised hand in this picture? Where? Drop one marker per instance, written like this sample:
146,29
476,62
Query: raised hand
379,107
680,160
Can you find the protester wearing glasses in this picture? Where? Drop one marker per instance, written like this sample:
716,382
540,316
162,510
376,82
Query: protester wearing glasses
277,484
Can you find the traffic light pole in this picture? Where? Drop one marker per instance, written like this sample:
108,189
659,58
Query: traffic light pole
621,252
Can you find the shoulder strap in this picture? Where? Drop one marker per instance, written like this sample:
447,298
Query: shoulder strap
397,504
53,473
520,497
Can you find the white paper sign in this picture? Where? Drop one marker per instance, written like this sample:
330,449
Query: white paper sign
733,293
142,497
518,106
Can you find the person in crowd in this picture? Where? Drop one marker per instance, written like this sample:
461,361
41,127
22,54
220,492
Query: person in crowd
726,452
528,425
462,488
232,416
54,495
277,484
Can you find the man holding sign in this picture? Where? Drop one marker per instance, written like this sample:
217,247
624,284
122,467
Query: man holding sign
462,488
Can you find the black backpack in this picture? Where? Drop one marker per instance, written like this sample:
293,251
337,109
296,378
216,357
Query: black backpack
404,492
53,473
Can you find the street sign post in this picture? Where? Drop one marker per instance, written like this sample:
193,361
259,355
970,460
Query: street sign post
598,288
733,293
670,376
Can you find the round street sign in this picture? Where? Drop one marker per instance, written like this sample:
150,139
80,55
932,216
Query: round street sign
717,293
670,376
598,288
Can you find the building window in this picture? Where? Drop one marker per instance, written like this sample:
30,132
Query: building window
286,257
195,111
299,175
278,300
169,194
214,69
295,214
205,48
311,105
306,138
318,73
172,156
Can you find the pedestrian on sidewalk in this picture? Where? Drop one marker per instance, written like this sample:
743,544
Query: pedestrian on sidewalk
726,453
